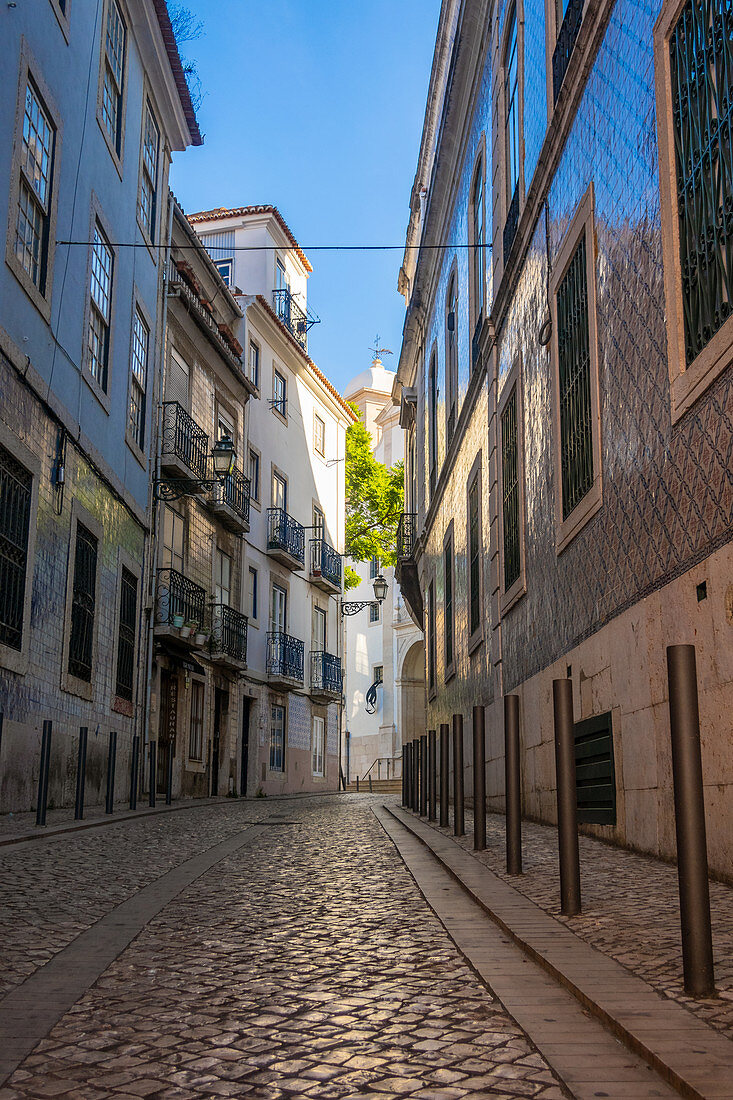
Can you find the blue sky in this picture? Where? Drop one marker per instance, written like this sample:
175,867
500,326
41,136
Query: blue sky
317,107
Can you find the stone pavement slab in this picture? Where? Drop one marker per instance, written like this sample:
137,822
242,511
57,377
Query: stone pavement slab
689,1054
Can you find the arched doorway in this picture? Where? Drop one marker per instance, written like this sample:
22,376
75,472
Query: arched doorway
412,693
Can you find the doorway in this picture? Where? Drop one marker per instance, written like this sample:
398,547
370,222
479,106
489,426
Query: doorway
244,773
167,727
221,708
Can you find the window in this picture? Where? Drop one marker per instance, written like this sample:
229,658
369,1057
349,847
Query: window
451,359
373,569
431,638
34,191
173,538
149,173
512,133
279,492
277,739
568,17
319,630
319,435
448,601
318,739
196,728
252,592
378,674
83,604
319,522
226,270
126,636
576,438
510,490
176,385
222,577
279,610
138,377
474,556
374,612
279,393
254,363
281,276
477,252
433,420
225,425
16,485
254,476
100,308
113,75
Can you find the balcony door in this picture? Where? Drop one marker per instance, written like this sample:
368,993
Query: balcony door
279,610
319,630
281,276
279,492
222,577
173,538
176,388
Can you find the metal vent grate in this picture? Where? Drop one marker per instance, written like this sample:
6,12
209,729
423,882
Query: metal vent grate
595,775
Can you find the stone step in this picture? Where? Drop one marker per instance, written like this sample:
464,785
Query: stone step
383,786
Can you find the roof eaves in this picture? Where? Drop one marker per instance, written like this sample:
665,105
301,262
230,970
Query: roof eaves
246,211
179,77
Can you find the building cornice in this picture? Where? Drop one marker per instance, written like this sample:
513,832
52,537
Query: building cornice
235,213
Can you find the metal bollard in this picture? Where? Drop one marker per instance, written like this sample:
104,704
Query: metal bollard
512,781
432,777
357,784
444,774
43,774
404,768
424,775
567,806
689,808
111,765
416,788
134,764
153,772
81,774
479,779
169,777
458,818
370,782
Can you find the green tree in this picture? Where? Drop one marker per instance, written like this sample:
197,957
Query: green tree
374,502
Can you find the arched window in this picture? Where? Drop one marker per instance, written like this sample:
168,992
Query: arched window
451,357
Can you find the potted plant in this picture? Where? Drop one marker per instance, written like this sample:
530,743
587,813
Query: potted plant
201,639
177,621
188,627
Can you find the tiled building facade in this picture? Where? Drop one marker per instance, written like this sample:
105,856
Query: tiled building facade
606,512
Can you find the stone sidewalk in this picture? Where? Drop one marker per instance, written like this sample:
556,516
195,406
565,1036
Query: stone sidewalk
630,908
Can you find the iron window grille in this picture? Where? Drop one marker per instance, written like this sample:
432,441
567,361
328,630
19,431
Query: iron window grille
510,490
182,437
325,562
34,194
228,631
474,558
448,602
285,533
565,44
16,484
576,433
83,604
126,636
326,672
701,55
285,656
114,69
177,595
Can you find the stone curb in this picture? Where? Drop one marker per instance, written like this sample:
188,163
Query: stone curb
684,1051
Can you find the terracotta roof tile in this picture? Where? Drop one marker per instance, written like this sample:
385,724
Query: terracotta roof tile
243,212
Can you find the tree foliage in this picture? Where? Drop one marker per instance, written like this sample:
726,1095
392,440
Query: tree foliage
374,501
187,28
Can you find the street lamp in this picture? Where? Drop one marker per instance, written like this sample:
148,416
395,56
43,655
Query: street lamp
224,459
380,586
380,589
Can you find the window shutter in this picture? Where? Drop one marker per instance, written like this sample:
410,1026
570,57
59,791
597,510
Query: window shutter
177,387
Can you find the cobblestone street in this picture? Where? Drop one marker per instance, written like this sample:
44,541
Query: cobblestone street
305,963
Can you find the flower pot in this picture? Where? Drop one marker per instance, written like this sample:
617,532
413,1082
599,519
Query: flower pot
200,639
185,631
177,620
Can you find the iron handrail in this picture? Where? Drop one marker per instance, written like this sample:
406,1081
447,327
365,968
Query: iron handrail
378,762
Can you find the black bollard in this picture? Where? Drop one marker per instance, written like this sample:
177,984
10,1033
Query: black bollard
432,777
424,775
444,774
169,777
479,779
567,805
406,775
153,772
689,809
134,764
416,784
357,784
81,774
404,767
111,765
512,781
43,774
370,782
458,818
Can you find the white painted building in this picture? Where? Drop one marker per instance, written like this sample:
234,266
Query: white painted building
381,644
293,571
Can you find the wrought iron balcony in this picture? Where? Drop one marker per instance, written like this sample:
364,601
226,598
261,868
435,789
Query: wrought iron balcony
285,538
565,44
510,226
326,675
179,603
284,656
228,635
325,566
230,500
406,534
184,445
294,316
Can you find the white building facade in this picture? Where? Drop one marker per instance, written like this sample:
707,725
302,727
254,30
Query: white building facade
293,572
383,645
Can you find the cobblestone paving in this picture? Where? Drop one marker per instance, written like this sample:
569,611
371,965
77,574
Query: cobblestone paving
630,908
306,965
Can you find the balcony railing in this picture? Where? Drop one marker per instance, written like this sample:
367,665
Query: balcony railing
326,675
325,562
182,438
203,316
234,491
284,656
228,632
286,534
406,533
176,597
294,316
565,44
